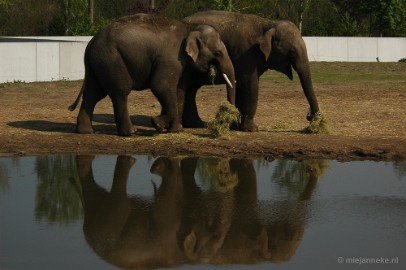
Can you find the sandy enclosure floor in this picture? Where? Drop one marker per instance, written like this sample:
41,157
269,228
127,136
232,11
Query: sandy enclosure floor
364,103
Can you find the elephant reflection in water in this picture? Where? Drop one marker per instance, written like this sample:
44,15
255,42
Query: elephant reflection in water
250,237
185,223
131,231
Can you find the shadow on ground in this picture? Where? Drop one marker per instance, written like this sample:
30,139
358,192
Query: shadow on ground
106,121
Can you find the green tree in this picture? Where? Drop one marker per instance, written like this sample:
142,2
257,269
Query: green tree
178,9
224,4
75,12
26,17
379,17
321,18
388,17
313,17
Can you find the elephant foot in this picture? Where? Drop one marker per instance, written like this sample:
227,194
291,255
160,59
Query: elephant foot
175,128
84,129
160,123
310,117
127,131
235,126
248,125
84,123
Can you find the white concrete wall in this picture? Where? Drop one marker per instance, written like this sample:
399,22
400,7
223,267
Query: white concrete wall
61,58
18,62
32,59
355,49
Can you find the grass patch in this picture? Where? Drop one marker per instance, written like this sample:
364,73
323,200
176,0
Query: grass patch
226,115
346,72
323,72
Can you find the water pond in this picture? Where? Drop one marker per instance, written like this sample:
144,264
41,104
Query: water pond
122,212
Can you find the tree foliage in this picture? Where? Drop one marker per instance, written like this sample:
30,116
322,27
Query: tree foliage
313,17
375,17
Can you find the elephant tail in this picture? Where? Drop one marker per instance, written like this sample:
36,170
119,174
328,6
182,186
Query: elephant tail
73,106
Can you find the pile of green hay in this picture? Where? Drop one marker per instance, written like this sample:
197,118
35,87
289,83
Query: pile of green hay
319,125
226,115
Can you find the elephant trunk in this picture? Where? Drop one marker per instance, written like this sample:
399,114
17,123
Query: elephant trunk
302,68
227,71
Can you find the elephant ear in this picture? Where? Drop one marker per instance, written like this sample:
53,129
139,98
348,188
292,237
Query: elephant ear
265,42
193,43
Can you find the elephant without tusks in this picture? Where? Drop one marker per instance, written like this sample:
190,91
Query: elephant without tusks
148,51
255,45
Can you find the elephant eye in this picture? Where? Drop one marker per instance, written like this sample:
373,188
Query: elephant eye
218,53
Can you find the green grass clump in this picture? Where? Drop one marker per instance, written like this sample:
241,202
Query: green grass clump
319,125
226,115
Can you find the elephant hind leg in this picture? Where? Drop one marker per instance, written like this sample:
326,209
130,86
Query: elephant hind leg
169,119
117,82
92,94
190,115
166,93
121,114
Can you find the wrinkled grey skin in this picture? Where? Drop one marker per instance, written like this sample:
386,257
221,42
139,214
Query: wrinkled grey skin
255,45
147,51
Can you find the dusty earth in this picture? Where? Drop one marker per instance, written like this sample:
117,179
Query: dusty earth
364,103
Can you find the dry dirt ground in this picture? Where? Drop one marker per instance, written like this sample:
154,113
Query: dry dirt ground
364,103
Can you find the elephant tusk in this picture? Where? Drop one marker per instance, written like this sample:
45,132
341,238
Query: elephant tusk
227,80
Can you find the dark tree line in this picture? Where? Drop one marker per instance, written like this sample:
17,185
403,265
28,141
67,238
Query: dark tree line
313,17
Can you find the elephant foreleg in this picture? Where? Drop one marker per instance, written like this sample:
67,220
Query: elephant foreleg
247,102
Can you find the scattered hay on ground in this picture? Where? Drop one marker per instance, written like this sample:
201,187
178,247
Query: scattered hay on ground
176,136
319,125
226,115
